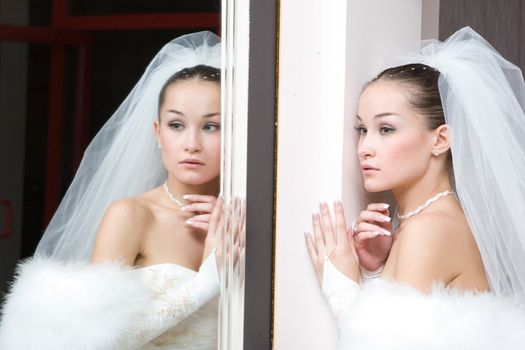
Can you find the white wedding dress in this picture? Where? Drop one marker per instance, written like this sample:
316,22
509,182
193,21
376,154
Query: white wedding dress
63,306
197,331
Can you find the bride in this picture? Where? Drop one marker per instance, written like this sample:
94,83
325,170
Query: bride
122,265
443,132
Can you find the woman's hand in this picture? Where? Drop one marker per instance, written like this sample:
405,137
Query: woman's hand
213,239
373,236
202,206
336,246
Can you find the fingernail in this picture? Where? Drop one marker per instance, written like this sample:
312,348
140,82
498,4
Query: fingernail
184,208
187,196
386,218
386,206
376,233
386,232
189,222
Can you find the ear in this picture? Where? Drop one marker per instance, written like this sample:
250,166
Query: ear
441,140
156,129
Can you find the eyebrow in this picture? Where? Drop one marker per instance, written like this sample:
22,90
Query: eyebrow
174,111
380,115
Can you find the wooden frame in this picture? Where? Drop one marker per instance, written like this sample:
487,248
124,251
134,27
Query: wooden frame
261,182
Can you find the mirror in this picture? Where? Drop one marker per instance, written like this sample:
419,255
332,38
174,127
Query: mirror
96,54
235,35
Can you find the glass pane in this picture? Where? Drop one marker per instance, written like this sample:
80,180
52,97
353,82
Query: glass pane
235,119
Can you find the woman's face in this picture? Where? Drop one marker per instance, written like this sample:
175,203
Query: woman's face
189,131
395,146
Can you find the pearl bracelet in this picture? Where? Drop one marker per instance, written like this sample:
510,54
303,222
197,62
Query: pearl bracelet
370,275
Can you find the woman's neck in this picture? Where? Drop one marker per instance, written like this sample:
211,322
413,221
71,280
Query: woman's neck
410,197
179,189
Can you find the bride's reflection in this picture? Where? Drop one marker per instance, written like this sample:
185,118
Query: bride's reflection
143,209
235,238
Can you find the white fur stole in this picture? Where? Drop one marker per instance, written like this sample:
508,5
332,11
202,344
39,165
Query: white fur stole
388,315
57,306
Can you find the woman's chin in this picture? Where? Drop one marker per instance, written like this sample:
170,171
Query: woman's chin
372,187
195,179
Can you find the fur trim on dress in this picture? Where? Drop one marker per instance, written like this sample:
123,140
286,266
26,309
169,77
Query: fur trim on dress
392,316
59,306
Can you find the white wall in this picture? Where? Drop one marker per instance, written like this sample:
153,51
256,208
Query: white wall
327,50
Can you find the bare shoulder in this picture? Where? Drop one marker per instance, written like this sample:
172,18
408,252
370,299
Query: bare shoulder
436,229
128,210
120,233
428,248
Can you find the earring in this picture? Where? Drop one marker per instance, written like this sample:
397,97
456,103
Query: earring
436,153
159,146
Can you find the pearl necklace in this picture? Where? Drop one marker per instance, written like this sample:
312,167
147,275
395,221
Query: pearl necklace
424,205
171,196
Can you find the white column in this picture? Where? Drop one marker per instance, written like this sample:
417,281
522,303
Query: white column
327,50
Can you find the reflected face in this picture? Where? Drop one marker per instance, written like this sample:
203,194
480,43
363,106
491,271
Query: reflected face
394,143
189,131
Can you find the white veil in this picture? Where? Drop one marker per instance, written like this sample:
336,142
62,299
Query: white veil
123,159
483,98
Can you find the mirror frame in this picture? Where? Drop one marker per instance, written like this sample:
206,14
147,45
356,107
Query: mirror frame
261,175
249,97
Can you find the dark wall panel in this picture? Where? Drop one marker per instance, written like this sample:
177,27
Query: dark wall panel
497,21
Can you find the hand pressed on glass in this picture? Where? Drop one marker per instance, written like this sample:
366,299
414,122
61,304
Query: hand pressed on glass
336,246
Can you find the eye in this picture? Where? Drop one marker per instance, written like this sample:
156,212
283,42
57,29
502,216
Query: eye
176,125
361,130
385,130
211,127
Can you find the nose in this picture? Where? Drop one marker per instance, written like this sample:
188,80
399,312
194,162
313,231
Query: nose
193,142
365,148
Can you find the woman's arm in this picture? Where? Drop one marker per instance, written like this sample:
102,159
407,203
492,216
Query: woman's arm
119,236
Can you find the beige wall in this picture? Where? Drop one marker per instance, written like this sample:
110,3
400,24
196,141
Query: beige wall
328,49
430,19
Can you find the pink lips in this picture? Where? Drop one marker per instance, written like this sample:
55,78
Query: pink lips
191,163
368,169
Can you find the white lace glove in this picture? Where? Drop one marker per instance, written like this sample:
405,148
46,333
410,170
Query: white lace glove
172,304
339,290
206,281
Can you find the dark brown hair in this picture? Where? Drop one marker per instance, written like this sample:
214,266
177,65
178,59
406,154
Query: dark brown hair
423,94
200,72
